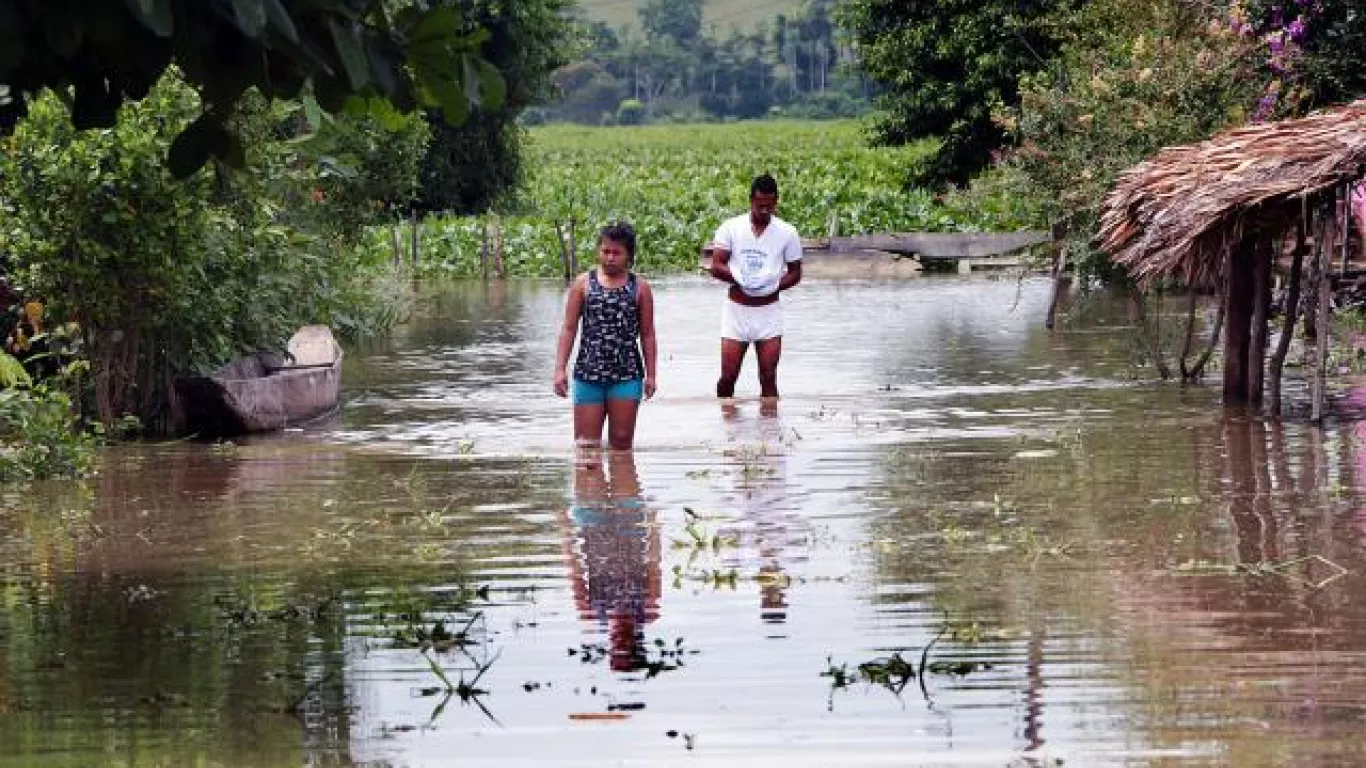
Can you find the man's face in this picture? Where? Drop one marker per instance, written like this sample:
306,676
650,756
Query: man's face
761,207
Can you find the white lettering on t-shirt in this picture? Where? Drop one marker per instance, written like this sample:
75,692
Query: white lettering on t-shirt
759,263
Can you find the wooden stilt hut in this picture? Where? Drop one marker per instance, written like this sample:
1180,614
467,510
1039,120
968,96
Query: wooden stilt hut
1215,216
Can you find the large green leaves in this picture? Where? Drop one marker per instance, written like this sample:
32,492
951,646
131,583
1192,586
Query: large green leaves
428,55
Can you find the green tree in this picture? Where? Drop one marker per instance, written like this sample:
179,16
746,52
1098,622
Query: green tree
355,54
1135,76
164,276
677,20
470,166
946,65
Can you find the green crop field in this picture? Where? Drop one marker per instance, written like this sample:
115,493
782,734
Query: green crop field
675,184
724,15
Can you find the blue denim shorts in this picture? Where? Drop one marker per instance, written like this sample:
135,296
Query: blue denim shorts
593,393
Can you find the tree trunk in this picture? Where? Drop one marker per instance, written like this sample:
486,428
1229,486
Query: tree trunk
1292,309
1198,370
1151,339
1239,299
1059,286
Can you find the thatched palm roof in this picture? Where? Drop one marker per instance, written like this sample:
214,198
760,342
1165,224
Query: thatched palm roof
1176,213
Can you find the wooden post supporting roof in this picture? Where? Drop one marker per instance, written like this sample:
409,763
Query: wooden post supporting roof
1262,255
1238,302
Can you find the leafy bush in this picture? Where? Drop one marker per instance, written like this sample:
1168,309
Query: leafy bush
39,434
367,169
165,276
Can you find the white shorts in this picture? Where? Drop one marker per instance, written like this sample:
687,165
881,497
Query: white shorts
744,323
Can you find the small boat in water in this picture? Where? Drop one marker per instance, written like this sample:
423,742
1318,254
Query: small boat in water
265,392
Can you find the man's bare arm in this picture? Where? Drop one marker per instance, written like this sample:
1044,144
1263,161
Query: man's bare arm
720,265
792,276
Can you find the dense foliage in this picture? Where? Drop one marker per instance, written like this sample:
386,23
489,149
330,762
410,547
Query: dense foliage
1310,51
676,183
164,276
471,165
946,67
39,433
1135,76
357,56
678,69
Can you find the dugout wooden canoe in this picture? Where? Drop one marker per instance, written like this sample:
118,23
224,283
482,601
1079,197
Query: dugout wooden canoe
265,392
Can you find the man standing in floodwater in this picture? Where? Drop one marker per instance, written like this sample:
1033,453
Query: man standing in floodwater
759,255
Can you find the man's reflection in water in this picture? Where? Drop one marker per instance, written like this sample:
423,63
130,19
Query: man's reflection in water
757,451
613,551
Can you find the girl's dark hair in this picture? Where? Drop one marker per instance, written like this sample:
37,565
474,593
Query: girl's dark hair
620,232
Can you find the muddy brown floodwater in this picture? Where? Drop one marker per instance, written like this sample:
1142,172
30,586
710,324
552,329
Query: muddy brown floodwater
959,540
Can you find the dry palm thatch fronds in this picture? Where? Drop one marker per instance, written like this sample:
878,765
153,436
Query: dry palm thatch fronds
1178,213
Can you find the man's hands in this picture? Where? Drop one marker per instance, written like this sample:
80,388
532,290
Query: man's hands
649,387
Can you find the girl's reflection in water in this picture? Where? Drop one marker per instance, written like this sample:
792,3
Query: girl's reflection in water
614,553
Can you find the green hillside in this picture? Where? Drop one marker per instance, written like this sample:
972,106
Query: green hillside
723,14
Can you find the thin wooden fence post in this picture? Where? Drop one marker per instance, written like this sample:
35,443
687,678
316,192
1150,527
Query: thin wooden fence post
566,260
484,249
417,238
833,227
573,250
1345,214
396,240
499,267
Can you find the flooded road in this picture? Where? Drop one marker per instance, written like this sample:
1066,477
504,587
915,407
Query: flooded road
958,540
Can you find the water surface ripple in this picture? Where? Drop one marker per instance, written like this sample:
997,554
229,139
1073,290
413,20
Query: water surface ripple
958,540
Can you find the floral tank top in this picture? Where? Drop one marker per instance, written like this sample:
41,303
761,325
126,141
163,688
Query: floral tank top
609,351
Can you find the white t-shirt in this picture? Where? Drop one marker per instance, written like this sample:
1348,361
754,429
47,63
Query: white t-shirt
758,263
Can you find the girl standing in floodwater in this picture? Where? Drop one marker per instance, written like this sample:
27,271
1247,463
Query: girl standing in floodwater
616,309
